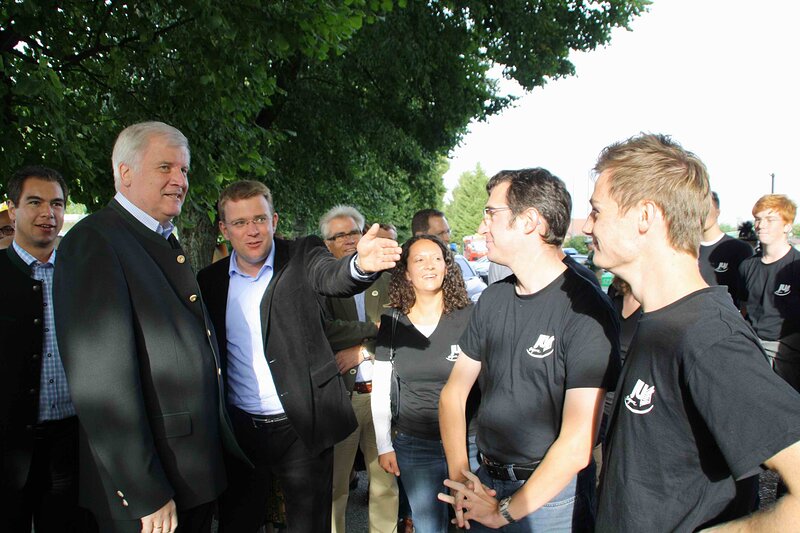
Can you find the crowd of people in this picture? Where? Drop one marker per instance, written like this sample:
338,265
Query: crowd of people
139,397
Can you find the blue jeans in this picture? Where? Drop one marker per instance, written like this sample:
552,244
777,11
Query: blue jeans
572,509
423,468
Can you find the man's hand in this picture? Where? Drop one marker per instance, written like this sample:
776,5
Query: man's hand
473,501
348,358
376,254
388,462
165,520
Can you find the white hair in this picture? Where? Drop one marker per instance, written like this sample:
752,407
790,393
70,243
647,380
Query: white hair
338,211
133,140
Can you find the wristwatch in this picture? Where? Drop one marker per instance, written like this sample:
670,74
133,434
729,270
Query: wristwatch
504,503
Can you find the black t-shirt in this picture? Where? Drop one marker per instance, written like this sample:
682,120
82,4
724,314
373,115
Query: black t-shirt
423,365
532,349
771,294
697,407
719,263
627,327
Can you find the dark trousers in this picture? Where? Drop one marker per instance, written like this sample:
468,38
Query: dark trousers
277,452
49,496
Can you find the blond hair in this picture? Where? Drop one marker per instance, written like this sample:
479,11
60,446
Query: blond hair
656,168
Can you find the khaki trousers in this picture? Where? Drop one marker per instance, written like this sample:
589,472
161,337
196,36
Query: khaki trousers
383,492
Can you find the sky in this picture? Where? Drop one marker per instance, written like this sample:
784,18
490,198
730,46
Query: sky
722,77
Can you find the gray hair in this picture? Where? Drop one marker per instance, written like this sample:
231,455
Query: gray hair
133,140
336,212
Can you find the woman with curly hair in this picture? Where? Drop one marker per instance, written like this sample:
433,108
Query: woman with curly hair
430,310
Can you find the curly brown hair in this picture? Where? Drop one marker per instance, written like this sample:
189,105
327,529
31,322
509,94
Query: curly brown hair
401,292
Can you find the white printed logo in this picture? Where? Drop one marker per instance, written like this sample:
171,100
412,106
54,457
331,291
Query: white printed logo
721,267
783,290
455,349
640,400
543,347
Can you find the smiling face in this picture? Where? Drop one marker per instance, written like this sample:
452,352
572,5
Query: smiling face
159,182
426,267
249,225
39,216
613,233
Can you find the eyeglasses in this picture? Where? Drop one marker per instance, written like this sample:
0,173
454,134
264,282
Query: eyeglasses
488,212
241,223
339,237
7,231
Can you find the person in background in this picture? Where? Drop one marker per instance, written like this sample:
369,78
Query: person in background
431,222
720,255
430,310
6,227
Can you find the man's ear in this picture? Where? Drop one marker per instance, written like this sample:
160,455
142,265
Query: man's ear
125,174
531,220
224,230
648,213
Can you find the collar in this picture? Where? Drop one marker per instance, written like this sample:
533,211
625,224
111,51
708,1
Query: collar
29,259
164,230
233,268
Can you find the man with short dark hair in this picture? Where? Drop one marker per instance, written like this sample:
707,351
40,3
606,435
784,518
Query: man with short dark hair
288,403
697,406
543,344
431,222
351,331
138,349
39,428
721,254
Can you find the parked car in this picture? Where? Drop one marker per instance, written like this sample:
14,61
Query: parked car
570,251
473,282
481,268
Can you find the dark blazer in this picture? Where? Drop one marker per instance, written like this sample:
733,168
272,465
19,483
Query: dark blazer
21,340
299,357
139,353
344,329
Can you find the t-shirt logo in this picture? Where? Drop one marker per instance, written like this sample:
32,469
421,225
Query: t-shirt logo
543,347
640,400
455,349
783,289
721,267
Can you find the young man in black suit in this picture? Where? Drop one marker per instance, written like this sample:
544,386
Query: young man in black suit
288,403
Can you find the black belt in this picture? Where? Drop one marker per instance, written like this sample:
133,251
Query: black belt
507,472
261,421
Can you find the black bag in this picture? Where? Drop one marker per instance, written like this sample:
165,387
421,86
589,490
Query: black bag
394,392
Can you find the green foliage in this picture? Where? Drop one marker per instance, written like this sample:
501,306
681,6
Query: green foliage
465,210
326,101
727,228
578,242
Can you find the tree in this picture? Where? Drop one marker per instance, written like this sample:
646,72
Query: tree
465,210
325,101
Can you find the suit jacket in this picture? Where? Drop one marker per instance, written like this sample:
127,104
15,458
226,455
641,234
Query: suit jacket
303,368
21,341
141,362
344,329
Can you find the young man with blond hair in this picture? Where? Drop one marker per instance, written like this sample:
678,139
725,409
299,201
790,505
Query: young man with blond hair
771,287
697,407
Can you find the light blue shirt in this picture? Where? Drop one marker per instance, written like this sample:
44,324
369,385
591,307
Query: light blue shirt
55,402
250,384
163,230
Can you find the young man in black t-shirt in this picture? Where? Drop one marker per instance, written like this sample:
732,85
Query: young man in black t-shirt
771,287
543,346
697,406
720,254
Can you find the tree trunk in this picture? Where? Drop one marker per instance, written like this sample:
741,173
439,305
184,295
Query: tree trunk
198,236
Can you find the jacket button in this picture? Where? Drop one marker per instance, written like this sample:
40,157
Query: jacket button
375,293
119,493
353,371
37,288
32,392
28,427
219,371
35,356
124,503
193,298
37,321
208,332
181,259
